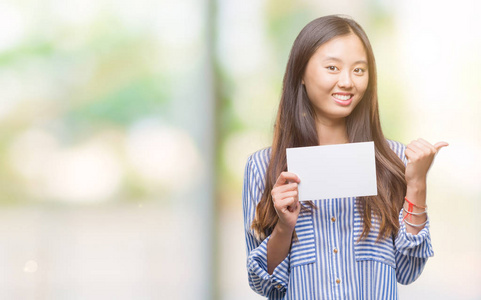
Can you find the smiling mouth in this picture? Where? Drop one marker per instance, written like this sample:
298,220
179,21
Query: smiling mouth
342,97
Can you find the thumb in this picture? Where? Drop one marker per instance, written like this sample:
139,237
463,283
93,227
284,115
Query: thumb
439,145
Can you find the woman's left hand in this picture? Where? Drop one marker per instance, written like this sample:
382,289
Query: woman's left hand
420,155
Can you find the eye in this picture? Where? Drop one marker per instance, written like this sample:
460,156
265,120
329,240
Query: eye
359,71
332,68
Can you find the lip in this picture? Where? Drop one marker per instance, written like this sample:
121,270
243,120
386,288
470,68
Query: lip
343,102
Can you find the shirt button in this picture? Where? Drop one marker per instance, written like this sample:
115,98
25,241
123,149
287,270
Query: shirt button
338,281
335,250
279,286
333,219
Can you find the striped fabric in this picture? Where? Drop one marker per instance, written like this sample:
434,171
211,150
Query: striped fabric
327,262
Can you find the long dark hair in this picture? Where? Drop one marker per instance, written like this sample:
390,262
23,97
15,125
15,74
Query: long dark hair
295,127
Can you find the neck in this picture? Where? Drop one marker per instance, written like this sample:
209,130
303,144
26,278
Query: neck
332,132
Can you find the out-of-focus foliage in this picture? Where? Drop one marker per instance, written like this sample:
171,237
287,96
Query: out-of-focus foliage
72,94
108,144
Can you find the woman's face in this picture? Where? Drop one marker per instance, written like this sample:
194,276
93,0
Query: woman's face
336,77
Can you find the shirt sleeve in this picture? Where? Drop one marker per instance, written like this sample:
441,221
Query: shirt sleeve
259,279
412,251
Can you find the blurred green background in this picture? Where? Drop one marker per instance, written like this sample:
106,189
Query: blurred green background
125,127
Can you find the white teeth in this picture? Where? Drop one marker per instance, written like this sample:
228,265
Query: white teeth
341,97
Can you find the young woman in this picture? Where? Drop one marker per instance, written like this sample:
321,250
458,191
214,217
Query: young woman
343,248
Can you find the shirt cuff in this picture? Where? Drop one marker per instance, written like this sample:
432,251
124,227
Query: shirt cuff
415,245
257,264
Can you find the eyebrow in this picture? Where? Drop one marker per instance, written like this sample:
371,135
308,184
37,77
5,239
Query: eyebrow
338,60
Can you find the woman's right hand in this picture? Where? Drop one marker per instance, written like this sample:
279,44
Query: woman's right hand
286,200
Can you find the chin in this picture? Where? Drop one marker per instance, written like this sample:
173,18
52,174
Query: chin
344,113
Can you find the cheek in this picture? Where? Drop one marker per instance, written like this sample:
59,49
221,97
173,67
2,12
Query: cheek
318,91
364,83
320,85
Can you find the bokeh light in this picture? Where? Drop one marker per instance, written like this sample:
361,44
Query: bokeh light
125,128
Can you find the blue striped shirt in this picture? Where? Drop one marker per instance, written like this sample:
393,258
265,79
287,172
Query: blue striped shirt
327,262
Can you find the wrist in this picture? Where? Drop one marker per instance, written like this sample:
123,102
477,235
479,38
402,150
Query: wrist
283,229
417,184
416,194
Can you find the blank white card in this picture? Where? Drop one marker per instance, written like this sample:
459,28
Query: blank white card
334,171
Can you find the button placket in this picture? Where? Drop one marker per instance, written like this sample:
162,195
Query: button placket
334,222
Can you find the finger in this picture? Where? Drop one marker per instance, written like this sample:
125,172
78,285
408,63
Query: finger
439,145
288,194
297,204
409,154
414,147
286,204
281,179
281,196
285,177
284,188
423,149
428,145
294,207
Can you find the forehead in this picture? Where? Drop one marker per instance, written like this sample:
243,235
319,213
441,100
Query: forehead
345,48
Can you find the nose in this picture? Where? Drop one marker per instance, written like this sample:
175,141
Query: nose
345,80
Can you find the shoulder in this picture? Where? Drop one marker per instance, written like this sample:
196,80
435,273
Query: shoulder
258,162
260,157
398,148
